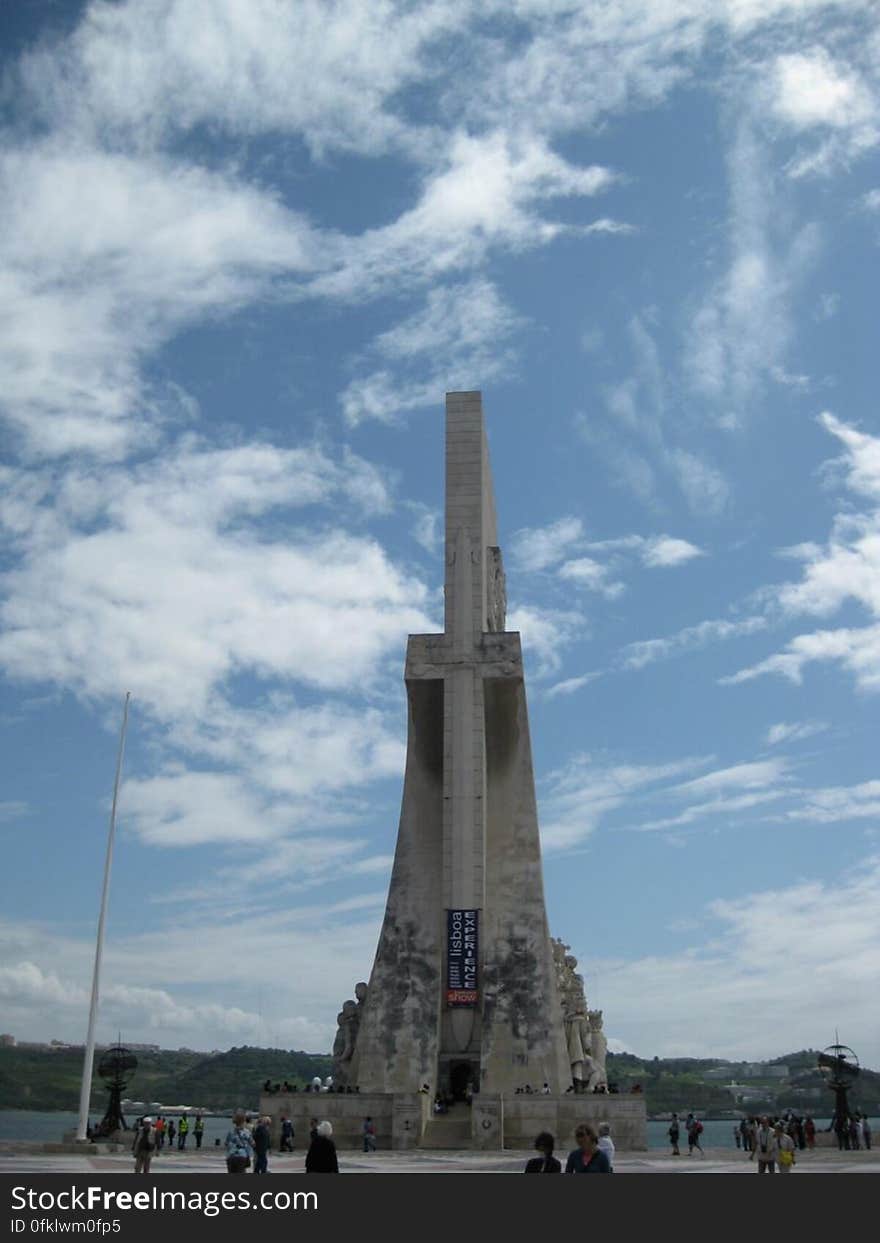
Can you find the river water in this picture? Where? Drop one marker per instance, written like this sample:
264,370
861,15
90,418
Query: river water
31,1125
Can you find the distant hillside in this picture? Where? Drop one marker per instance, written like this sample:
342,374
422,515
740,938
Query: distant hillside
50,1079
689,1083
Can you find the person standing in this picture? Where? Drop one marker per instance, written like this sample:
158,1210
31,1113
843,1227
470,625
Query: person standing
546,1163
144,1146
765,1148
239,1145
785,1148
261,1137
160,1133
810,1133
286,1134
606,1143
369,1135
199,1130
588,1157
674,1133
694,1130
321,1157
866,1132
170,1132
182,1132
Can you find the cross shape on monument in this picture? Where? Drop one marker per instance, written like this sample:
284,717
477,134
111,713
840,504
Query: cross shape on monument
473,648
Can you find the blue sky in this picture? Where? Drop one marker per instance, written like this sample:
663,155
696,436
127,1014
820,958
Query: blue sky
245,248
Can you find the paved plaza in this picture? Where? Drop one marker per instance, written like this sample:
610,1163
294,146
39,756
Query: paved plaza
716,1161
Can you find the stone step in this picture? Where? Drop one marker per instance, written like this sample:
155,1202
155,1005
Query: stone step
447,1132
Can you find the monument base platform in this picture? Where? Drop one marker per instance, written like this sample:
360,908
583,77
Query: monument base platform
404,1120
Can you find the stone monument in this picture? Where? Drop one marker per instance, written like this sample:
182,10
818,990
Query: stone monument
468,997
463,988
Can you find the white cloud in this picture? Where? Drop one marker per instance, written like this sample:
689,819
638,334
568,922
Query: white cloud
811,89
570,685
591,575
646,651
846,569
545,634
664,550
744,327
793,731
463,329
727,972
577,797
755,775
158,579
538,548
836,804
103,257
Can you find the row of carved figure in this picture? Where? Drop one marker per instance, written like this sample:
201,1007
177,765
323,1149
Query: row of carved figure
584,1037
583,1028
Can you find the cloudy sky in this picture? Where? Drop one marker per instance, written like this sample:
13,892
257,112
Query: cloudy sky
245,248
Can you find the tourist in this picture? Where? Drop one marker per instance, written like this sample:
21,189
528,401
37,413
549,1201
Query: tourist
239,1145
182,1132
737,1138
160,1133
674,1133
588,1157
287,1133
854,1133
866,1132
744,1134
369,1135
810,1133
261,1138
545,1091
694,1130
144,1146
321,1157
765,1148
785,1148
313,1130
170,1132
546,1163
267,1087
606,1143
199,1130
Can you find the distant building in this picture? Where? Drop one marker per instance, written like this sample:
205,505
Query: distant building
7,1041
761,1070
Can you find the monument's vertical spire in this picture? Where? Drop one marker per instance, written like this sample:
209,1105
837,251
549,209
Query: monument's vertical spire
463,989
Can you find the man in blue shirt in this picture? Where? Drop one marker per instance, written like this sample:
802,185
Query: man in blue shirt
588,1157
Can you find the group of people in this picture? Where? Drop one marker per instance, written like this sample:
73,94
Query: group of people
693,1129
852,1133
246,1145
316,1085
151,1135
594,1153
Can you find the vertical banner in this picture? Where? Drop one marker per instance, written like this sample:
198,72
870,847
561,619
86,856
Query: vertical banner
462,956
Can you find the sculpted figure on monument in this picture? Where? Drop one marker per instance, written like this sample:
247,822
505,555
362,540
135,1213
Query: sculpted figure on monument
598,1049
349,1021
497,591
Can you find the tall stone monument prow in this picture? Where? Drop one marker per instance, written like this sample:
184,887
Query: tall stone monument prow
463,994
463,1002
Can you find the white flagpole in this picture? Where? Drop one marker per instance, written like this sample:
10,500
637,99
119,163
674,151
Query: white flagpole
89,1061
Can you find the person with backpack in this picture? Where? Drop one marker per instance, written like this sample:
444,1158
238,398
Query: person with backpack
695,1130
144,1146
239,1145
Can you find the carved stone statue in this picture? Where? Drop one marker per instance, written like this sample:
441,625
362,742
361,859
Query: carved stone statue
348,1021
598,1048
574,1010
496,595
